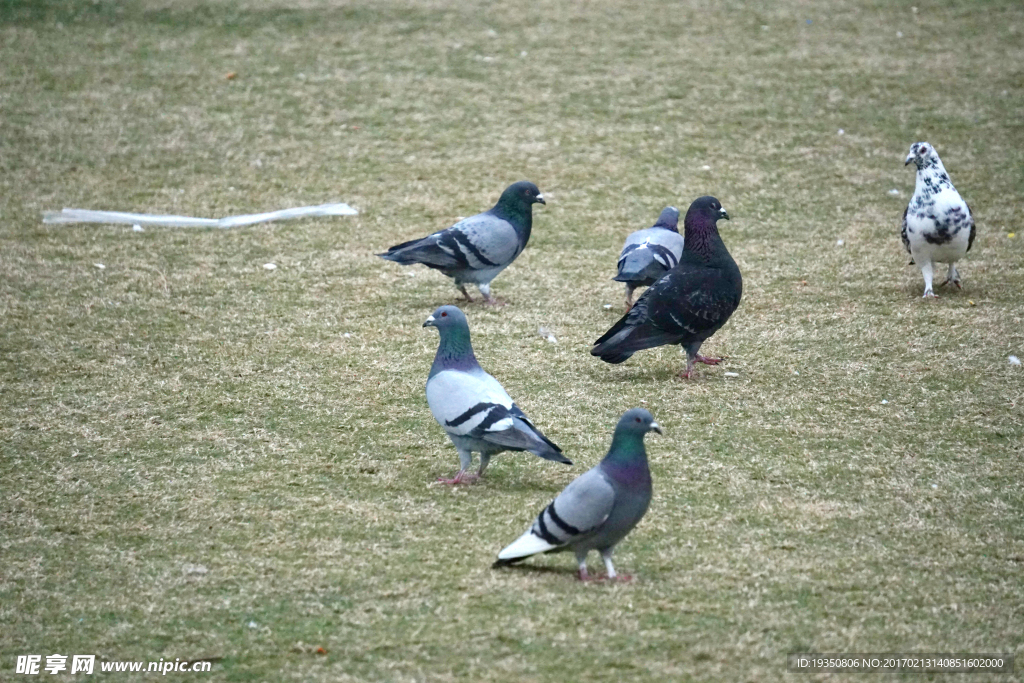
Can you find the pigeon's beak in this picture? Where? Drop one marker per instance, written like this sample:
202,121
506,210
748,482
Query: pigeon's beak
655,427
540,198
429,322
723,214
910,157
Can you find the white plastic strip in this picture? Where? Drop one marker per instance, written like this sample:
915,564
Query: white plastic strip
87,216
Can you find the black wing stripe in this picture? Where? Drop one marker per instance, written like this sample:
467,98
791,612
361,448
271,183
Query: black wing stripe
450,244
561,523
463,240
478,408
542,531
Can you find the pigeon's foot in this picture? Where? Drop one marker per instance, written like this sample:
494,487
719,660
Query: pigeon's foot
707,361
494,301
952,282
929,294
629,305
624,578
461,477
469,299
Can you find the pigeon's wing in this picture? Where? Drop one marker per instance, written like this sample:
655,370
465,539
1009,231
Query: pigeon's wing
469,403
478,242
970,238
648,253
689,302
486,240
903,231
578,511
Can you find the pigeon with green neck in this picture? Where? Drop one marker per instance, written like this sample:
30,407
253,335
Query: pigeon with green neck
472,407
598,508
476,249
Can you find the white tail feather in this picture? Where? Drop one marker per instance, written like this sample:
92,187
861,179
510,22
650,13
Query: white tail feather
524,546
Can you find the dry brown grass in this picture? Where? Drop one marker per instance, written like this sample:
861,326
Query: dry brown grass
185,407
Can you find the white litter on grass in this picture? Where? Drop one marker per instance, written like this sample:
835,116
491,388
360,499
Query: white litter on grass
347,335
705,167
842,132
546,334
99,265
884,402
140,219
138,228
899,34
1014,360
894,192
935,486
732,374
607,307
269,266
194,569
253,624
840,243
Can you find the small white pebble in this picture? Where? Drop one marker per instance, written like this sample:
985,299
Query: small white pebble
840,243
935,486
842,132
1014,360
347,335
99,265
795,372
732,374
138,228
705,167
894,192
523,53
492,33
270,266
253,624
607,307
410,273
884,402
914,10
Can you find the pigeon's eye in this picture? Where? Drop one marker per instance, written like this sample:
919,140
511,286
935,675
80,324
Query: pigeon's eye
444,315
638,419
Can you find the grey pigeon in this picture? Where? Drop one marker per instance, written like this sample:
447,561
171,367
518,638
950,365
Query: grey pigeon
598,508
476,249
650,253
690,303
937,224
472,406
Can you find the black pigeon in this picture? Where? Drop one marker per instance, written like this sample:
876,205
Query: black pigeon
690,303
476,249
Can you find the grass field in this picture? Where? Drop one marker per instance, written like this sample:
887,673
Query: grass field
201,458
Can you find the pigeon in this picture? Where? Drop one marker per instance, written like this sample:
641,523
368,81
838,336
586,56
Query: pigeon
598,508
471,406
937,224
477,248
650,253
689,303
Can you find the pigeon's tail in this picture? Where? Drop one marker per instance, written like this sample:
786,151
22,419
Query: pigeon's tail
550,451
525,546
641,266
426,250
623,340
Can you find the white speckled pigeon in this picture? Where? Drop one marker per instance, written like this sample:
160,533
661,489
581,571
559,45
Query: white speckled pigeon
477,248
472,406
650,253
598,508
937,224
689,303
